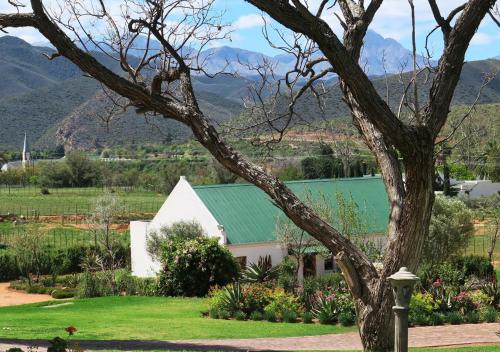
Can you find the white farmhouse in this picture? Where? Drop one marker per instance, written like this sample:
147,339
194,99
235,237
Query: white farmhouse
243,218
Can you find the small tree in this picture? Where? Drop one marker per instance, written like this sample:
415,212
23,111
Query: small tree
297,241
28,250
186,230
449,232
105,257
192,266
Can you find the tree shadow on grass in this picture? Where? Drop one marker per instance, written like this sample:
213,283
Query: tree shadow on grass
128,345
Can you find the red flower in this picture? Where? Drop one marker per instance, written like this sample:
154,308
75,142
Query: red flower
70,329
437,283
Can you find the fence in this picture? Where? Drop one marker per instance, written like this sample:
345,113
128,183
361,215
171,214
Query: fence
73,205
58,238
480,245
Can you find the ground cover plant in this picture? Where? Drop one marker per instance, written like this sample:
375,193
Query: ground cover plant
126,318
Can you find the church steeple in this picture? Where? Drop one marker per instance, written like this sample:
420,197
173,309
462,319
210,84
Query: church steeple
26,152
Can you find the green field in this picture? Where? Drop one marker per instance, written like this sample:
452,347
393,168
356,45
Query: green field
69,201
127,318
55,235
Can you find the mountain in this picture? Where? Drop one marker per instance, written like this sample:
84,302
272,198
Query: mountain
466,93
55,104
377,52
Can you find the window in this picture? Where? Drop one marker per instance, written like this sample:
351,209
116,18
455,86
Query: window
329,263
242,261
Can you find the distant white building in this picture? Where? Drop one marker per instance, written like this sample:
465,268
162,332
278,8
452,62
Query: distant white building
25,158
243,218
477,188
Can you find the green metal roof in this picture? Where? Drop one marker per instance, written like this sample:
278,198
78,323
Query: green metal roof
249,216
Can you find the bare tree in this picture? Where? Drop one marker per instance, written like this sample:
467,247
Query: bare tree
170,94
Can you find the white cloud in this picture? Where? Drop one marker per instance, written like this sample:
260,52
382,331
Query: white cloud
248,21
481,38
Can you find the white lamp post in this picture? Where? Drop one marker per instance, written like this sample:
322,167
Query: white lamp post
402,285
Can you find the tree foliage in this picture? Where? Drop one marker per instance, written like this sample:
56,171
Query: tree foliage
191,266
184,230
449,232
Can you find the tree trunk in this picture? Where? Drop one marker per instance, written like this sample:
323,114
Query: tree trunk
376,320
408,227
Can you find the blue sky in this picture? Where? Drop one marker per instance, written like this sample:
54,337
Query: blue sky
392,21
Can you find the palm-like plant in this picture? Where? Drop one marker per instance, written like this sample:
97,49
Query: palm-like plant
232,298
262,271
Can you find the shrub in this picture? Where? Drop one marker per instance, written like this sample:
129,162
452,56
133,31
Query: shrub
289,316
422,305
480,299
307,318
282,302
126,283
270,315
39,289
332,282
183,230
231,298
255,297
287,274
224,314
94,284
454,318
256,316
475,265
326,309
213,313
449,231
347,318
472,317
239,315
191,267
436,319
8,267
262,271
421,319
146,286
65,293
463,303
488,314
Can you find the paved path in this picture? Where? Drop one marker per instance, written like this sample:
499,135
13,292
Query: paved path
10,297
447,335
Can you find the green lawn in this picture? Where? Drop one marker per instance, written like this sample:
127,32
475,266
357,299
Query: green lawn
126,318
24,201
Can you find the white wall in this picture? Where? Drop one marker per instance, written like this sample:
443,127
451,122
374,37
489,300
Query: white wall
142,264
255,250
183,204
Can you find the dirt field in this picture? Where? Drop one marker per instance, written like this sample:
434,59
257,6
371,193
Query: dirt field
10,297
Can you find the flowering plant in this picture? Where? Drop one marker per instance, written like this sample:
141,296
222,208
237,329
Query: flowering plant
70,330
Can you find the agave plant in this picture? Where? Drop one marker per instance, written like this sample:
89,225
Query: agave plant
262,271
232,298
